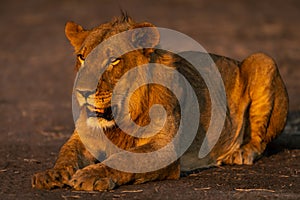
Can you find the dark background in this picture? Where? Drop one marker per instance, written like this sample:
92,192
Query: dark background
37,74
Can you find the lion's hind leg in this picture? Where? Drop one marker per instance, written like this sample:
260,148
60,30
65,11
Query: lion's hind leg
267,109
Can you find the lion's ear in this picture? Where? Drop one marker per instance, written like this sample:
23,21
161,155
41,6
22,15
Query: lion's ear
147,37
76,34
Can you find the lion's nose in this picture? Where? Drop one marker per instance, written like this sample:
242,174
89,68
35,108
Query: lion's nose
85,93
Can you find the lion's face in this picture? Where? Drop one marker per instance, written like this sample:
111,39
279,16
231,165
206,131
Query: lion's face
97,103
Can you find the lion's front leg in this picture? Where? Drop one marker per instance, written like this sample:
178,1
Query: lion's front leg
101,177
72,157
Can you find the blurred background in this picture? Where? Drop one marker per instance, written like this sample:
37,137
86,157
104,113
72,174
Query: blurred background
37,61
37,70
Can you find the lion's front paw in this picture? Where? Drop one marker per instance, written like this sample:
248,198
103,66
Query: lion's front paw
91,178
52,178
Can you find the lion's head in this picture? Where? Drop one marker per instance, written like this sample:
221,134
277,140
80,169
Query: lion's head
98,102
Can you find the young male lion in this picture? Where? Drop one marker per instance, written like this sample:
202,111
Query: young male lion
256,111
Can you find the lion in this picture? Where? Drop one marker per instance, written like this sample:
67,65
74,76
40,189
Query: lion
256,112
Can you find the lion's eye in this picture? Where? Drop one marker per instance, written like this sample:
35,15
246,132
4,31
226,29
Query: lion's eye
114,61
81,58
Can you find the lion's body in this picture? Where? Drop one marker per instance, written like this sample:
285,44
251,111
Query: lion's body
257,105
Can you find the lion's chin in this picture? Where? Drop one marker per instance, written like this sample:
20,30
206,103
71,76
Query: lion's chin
100,123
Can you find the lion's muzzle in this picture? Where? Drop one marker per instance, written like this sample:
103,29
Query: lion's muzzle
105,113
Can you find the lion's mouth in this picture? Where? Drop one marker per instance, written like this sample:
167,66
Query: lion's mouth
105,113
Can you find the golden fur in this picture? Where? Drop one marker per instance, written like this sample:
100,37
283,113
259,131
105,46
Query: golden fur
257,106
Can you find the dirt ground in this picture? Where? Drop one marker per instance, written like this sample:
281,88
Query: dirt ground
37,75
